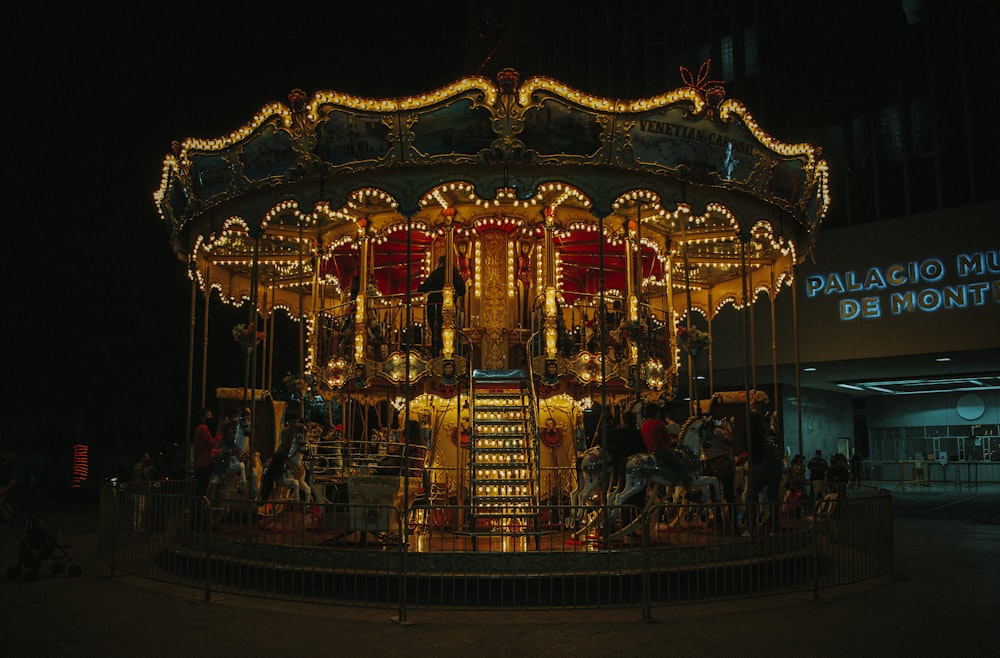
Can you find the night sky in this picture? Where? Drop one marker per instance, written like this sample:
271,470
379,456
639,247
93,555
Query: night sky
97,305
96,314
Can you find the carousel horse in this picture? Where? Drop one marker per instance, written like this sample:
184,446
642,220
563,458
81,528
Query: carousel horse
254,475
292,478
228,463
644,469
714,438
229,478
591,479
313,435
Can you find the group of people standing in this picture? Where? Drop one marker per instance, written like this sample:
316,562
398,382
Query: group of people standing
839,471
759,456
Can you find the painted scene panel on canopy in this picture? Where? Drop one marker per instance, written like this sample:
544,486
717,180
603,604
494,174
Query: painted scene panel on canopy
211,174
458,128
670,139
348,137
556,128
268,153
787,180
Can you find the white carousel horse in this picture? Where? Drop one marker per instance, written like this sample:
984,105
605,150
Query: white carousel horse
591,479
644,469
292,478
641,470
229,463
313,436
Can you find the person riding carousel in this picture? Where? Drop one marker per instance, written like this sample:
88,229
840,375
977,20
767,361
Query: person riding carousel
660,439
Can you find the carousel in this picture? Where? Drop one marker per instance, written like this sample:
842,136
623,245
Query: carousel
491,261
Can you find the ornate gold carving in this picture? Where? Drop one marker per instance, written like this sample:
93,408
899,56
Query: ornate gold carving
494,300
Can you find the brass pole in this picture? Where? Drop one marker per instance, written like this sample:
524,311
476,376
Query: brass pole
449,315
711,346
302,324
795,340
254,283
268,336
747,295
314,308
602,316
671,337
774,340
649,306
361,302
693,407
270,344
204,340
190,383
747,338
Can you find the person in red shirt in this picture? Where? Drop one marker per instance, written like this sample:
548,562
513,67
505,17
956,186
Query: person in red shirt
654,430
205,444
656,434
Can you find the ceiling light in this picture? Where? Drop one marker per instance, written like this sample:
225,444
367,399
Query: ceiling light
985,382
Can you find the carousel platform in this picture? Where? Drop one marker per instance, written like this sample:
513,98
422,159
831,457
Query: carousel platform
287,550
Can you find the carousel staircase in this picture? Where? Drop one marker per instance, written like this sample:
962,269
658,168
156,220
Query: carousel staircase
502,463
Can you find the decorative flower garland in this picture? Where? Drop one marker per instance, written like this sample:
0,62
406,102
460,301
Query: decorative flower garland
633,330
694,341
246,337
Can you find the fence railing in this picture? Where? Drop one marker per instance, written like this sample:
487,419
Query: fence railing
905,473
373,555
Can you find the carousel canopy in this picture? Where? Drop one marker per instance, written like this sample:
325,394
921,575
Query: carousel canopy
712,204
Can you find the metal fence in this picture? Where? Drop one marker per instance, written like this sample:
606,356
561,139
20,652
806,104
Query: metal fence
903,473
370,555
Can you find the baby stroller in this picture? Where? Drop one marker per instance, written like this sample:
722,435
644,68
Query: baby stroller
38,545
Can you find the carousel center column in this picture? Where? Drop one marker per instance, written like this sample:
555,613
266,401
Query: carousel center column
551,309
448,314
632,248
360,308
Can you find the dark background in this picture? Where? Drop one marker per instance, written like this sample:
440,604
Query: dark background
97,304
96,319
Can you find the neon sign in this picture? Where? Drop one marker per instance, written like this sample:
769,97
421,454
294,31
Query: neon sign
909,287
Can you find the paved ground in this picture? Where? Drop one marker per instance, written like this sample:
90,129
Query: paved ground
942,601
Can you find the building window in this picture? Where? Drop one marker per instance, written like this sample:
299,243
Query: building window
892,133
961,442
750,51
727,58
